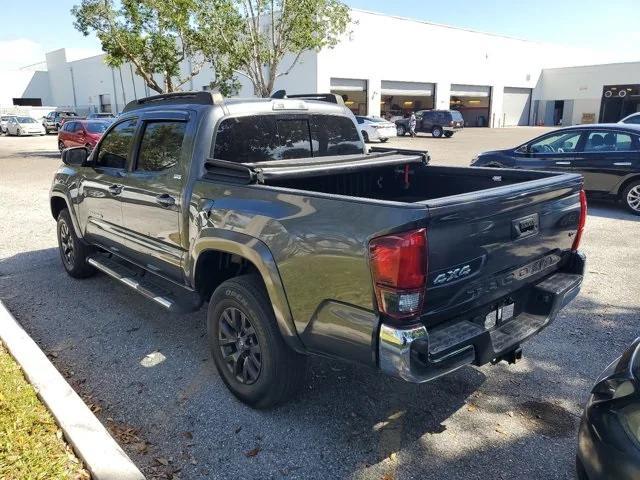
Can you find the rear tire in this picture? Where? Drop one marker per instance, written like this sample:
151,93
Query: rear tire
73,251
248,350
448,134
631,197
436,132
400,130
383,140
581,473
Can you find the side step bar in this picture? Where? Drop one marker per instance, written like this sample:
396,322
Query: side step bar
145,284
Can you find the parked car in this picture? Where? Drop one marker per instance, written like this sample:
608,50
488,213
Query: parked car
20,125
100,115
634,118
54,120
86,133
375,128
609,436
304,243
435,122
4,119
607,155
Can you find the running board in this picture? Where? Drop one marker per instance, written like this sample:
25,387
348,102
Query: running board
146,285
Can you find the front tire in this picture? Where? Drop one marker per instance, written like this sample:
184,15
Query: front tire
247,348
365,136
19,132
73,251
631,197
61,146
436,132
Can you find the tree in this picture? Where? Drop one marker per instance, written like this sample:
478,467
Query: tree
252,37
156,36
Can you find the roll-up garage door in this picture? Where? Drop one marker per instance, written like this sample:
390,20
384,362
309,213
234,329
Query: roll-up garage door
470,91
516,105
410,89
348,84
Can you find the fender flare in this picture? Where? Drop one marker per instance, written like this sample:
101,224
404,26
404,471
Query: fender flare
72,212
259,254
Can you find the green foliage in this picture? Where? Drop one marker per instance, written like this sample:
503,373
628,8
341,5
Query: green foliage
252,37
154,35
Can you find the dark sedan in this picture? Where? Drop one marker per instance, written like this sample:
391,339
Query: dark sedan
607,155
609,438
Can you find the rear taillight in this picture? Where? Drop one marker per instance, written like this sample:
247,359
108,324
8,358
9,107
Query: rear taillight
399,267
582,221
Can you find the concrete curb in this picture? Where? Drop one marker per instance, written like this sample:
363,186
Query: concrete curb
89,438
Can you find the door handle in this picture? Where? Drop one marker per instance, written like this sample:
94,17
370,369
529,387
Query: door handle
622,164
165,200
115,189
563,163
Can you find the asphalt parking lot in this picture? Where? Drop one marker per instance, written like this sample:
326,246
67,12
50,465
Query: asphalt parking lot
177,418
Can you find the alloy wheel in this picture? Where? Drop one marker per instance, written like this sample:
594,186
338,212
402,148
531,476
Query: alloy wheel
633,198
66,245
239,346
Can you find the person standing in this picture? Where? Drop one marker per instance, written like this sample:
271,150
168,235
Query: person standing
412,124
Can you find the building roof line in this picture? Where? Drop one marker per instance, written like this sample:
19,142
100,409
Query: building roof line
435,24
595,65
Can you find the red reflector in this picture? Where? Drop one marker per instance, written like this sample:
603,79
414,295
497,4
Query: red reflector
399,267
581,222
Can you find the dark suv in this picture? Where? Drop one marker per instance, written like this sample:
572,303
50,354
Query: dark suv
436,122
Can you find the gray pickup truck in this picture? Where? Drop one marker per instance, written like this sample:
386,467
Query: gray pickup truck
303,242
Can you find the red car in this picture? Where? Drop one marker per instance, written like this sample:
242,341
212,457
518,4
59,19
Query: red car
77,133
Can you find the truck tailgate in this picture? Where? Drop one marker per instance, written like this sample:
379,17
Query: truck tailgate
485,246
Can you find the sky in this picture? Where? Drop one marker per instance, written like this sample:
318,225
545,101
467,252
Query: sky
27,33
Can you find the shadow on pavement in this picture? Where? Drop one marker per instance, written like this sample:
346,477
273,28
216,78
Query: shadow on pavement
350,421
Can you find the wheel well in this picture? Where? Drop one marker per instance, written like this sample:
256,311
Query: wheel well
626,183
57,205
214,267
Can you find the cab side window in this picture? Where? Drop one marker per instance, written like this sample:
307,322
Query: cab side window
115,146
160,146
607,141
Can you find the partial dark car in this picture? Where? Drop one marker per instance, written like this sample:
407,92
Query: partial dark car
435,122
54,120
607,155
609,437
633,119
81,133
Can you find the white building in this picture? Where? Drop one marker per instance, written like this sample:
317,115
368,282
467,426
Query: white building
389,65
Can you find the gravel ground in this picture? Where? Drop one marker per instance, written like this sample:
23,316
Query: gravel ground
176,417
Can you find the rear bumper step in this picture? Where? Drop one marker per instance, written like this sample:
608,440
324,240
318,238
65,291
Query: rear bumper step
146,284
418,354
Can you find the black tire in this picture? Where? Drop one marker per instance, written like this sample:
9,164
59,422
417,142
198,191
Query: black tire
242,328
19,132
401,130
630,197
383,140
73,251
365,136
61,146
448,134
436,131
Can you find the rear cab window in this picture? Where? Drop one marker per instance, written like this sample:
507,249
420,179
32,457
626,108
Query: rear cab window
262,138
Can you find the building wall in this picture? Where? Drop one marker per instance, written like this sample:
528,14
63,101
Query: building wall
583,85
381,47
24,84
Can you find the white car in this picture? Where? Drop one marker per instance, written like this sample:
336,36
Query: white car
374,128
634,119
4,119
24,126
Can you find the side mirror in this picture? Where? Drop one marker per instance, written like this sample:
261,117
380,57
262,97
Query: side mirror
524,149
75,156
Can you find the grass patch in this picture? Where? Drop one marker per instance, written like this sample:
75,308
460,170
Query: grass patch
31,443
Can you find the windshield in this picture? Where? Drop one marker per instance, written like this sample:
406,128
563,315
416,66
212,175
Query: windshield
96,127
26,120
5,118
